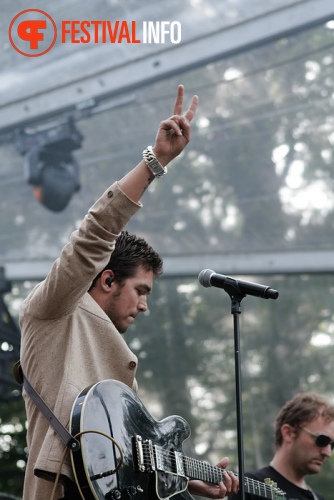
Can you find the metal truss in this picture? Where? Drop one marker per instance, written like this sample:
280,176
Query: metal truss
88,91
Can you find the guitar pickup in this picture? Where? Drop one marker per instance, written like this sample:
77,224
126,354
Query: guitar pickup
179,464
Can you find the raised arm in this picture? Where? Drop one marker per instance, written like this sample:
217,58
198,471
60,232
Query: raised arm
172,137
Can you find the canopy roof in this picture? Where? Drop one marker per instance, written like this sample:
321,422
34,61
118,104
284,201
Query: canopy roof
253,190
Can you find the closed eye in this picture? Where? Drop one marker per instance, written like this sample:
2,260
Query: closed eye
145,290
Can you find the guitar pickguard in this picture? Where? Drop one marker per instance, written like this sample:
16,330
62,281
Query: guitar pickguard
168,484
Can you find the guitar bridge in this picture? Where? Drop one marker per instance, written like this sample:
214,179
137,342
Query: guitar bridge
145,454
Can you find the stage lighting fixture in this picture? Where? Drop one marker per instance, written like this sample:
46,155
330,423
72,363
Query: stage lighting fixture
49,164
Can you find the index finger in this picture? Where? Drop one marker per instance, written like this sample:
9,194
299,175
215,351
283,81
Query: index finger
179,100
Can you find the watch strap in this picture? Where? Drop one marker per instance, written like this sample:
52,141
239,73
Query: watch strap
153,163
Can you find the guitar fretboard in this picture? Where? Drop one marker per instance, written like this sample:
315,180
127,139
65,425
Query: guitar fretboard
198,470
195,469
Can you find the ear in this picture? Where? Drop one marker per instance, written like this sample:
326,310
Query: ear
107,278
288,432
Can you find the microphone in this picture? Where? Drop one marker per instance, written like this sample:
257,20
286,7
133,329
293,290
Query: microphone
208,278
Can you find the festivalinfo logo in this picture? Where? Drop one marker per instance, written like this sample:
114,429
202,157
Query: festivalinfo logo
33,32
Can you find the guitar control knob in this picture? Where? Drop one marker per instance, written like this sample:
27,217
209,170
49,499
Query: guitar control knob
130,491
113,495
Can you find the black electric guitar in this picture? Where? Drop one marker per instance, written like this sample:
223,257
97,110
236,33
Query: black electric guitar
144,459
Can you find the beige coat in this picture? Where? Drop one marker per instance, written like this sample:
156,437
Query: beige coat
68,342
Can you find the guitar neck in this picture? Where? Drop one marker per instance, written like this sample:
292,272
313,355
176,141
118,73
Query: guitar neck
195,469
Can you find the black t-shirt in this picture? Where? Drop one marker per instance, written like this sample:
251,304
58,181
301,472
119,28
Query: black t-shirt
292,492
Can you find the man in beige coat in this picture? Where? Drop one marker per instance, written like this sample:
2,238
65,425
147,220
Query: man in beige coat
72,321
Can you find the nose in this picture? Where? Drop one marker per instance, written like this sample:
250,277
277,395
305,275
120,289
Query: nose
142,304
327,451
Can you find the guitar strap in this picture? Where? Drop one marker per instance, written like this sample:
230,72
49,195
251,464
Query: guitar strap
62,432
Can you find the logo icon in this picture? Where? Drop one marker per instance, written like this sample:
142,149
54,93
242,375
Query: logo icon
32,32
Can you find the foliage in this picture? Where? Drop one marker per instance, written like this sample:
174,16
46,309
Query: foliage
12,446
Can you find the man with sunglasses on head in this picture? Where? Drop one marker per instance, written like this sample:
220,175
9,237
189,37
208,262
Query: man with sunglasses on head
304,439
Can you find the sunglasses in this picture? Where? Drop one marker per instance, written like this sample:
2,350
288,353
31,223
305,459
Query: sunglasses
321,440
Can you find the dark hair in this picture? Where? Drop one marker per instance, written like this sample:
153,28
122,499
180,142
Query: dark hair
130,253
303,408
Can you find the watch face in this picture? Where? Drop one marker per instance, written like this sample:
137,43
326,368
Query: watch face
152,163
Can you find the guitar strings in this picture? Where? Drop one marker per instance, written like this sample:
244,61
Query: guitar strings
202,470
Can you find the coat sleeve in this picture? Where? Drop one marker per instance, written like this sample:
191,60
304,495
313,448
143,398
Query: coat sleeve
83,257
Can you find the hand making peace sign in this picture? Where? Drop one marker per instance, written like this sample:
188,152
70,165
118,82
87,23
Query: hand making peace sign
174,133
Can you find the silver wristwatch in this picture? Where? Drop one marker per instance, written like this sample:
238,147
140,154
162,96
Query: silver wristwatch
152,163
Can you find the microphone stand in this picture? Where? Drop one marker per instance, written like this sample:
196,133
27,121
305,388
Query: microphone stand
236,297
237,290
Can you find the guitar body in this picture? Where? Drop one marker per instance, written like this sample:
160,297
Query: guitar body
112,408
126,454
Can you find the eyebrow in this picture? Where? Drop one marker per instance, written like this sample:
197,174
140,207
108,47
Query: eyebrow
144,287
